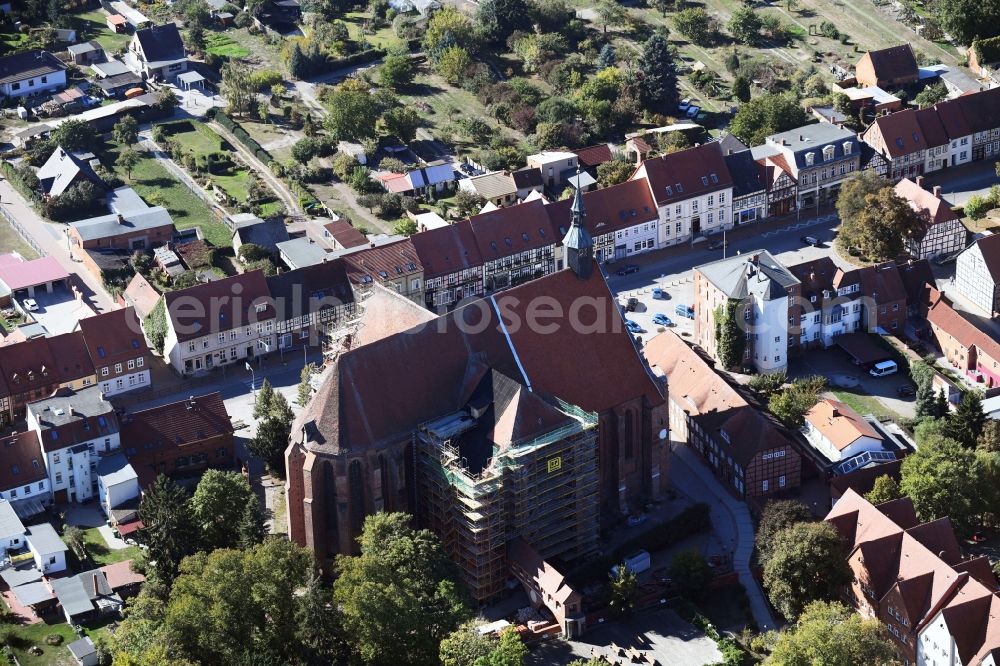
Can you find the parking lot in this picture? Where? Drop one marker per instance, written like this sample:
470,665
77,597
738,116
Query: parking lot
58,311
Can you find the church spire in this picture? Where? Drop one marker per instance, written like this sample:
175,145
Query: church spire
578,244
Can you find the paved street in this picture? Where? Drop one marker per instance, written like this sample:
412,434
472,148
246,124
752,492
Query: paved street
50,237
960,183
731,523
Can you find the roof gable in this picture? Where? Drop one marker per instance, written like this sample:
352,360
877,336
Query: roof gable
687,173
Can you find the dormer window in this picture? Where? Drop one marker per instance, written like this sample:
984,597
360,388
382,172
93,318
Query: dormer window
680,188
704,181
260,307
670,191
828,153
899,141
810,158
916,138
715,179
847,147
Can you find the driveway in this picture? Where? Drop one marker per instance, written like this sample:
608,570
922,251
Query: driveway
960,183
731,523
835,364
59,311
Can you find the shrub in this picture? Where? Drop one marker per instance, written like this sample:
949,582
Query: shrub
53,639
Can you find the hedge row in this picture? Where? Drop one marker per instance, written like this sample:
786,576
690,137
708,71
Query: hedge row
15,179
307,201
692,520
358,58
987,50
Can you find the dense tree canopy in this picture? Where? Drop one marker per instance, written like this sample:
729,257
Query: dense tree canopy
967,20
398,597
943,478
832,634
966,423
885,489
351,112
659,75
219,508
499,19
806,564
777,516
170,531
764,115
880,228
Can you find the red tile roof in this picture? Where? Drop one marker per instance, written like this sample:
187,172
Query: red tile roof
369,397
508,231
120,574
696,171
711,401
931,209
953,120
840,424
895,62
218,306
173,426
447,249
382,263
593,156
345,234
901,134
949,320
69,351
114,337
21,461
932,128
140,295
29,365
608,209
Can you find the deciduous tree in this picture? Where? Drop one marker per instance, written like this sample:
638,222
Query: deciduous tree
624,586
880,228
832,634
610,13
351,111
943,478
744,25
884,490
236,88
396,70
807,564
126,131
128,159
765,115
776,516
691,573
499,19
399,596
697,25
217,507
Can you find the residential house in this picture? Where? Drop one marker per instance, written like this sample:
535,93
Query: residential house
693,191
766,294
977,274
497,188
941,232
516,244
224,321
936,607
22,474
131,226
342,235
971,351
29,373
434,178
75,428
311,303
982,114
140,295
820,157
779,183
882,293
555,166
838,432
86,596
591,157
528,182
86,53
958,131
872,160
622,219
157,53
31,73
913,141
750,196
11,530
873,100
452,265
64,169
47,549
179,438
890,68
303,251
117,482
118,350
248,228
394,265
745,448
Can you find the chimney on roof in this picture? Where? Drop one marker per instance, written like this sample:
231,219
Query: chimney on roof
802,137
920,182
121,219
372,243
69,409
937,191
835,412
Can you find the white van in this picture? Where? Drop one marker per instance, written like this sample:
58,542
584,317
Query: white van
884,369
636,563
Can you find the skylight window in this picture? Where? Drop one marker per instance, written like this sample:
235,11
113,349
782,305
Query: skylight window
680,188
670,191
715,179
383,275
704,181
100,352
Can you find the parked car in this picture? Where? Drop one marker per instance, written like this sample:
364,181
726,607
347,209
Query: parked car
810,240
718,245
905,390
660,294
633,327
628,268
661,319
684,311
30,305
632,304
684,105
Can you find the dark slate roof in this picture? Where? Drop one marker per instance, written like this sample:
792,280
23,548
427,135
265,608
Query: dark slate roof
20,66
730,144
745,174
161,42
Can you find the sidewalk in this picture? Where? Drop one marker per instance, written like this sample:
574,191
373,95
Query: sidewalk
51,238
730,520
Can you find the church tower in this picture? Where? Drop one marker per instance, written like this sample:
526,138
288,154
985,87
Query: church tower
578,244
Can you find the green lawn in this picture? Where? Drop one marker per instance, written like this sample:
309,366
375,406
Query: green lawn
382,38
12,41
865,404
94,25
98,549
194,136
25,636
11,242
222,45
159,188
